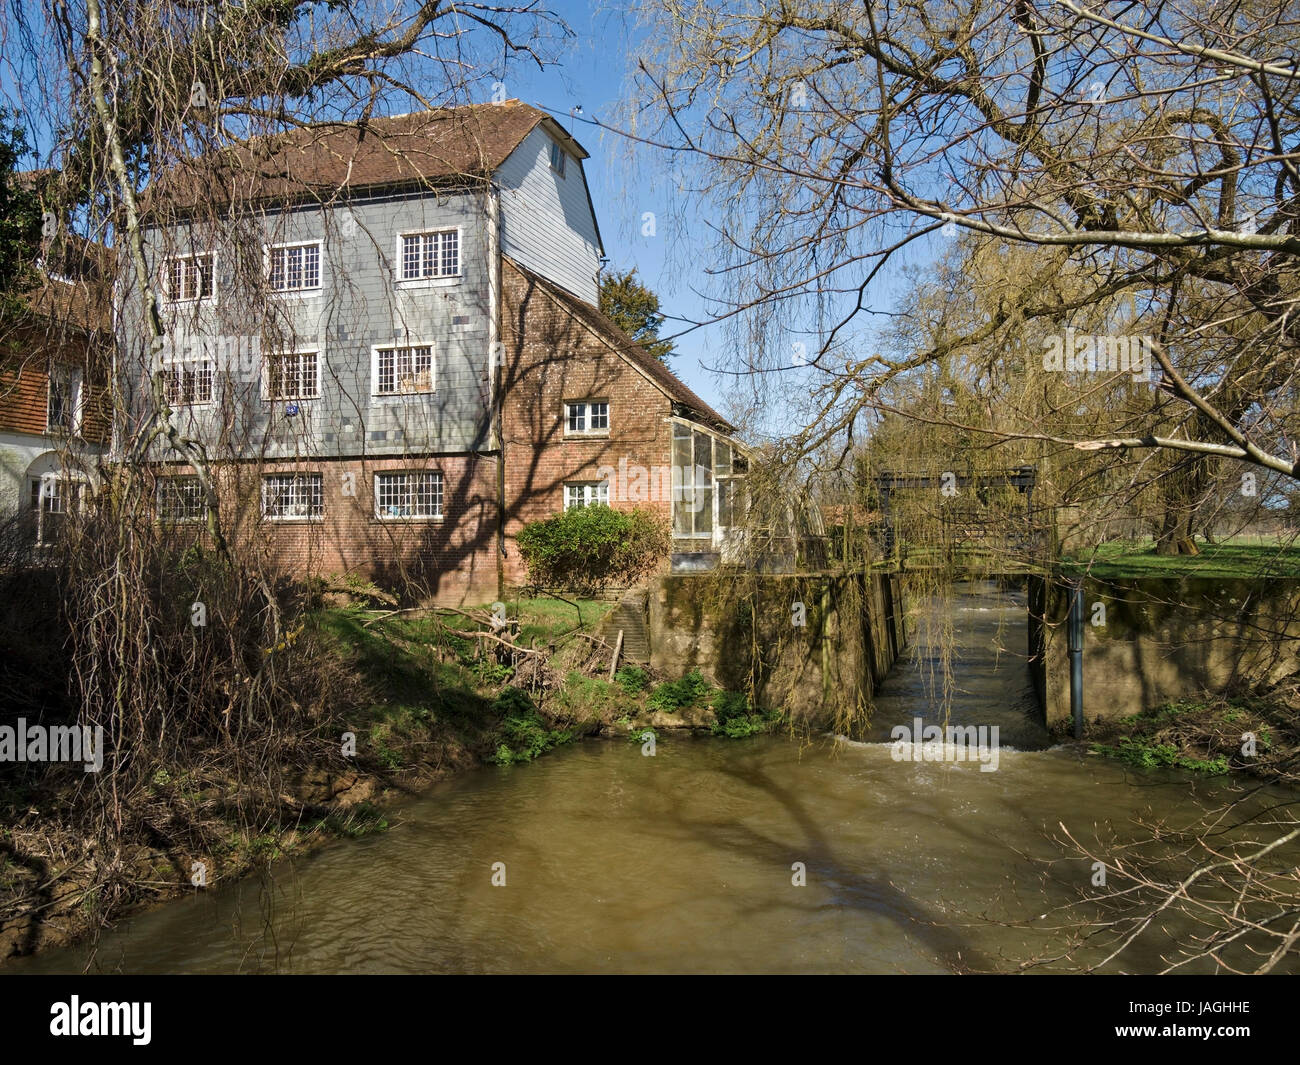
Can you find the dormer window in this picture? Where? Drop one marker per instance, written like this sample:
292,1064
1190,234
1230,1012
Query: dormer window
557,158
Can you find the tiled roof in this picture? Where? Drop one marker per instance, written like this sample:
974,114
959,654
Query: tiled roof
319,161
607,329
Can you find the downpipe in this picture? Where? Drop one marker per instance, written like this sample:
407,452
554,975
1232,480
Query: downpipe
1075,636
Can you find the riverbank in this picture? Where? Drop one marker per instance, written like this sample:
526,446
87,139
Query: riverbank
416,697
1255,733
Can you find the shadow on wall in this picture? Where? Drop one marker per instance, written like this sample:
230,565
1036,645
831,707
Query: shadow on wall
816,646
1151,640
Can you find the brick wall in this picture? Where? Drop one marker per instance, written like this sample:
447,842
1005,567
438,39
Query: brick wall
452,560
551,358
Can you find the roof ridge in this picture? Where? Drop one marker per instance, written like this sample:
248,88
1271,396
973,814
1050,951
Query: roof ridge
621,344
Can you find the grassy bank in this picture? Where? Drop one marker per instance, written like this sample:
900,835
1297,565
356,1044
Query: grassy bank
414,695
1230,558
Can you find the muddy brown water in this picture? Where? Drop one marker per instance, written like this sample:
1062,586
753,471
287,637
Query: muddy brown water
614,861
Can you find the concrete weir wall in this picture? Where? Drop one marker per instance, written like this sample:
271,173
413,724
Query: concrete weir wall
1163,638
741,629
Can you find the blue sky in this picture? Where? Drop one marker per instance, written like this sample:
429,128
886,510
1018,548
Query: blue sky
592,75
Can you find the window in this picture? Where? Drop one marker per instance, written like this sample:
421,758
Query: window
63,409
408,495
51,499
190,277
582,495
404,370
430,255
187,381
293,496
181,499
557,158
294,267
708,484
586,417
293,375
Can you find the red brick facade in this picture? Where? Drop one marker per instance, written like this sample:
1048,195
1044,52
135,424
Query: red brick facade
451,559
552,358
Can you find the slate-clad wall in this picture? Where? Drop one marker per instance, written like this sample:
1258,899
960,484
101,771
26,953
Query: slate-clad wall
358,306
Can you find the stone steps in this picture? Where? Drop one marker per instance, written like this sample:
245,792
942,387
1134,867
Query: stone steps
630,616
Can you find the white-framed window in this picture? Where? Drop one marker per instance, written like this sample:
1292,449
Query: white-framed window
585,493
190,277
292,375
51,499
63,403
408,494
429,256
187,381
557,158
693,494
181,499
402,370
294,267
586,417
293,496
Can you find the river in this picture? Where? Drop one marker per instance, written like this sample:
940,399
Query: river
688,861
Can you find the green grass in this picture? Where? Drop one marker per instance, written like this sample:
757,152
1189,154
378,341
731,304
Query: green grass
1234,559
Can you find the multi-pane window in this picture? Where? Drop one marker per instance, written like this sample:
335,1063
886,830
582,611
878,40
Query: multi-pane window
293,496
181,499
187,381
557,158
63,409
294,267
585,494
52,498
403,370
190,277
413,494
292,375
708,483
586,417
429,255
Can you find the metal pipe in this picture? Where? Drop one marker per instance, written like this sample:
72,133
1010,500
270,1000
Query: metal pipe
1075,635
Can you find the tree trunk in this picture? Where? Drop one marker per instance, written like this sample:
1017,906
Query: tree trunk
1176,534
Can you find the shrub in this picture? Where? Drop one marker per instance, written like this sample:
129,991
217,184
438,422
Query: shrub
737,718
592,547
632,679
675,695
524,733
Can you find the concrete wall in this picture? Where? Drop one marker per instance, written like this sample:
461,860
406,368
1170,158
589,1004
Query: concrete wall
738,630
1163,639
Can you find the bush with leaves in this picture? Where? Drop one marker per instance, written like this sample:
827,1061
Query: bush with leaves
593,547
674,695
